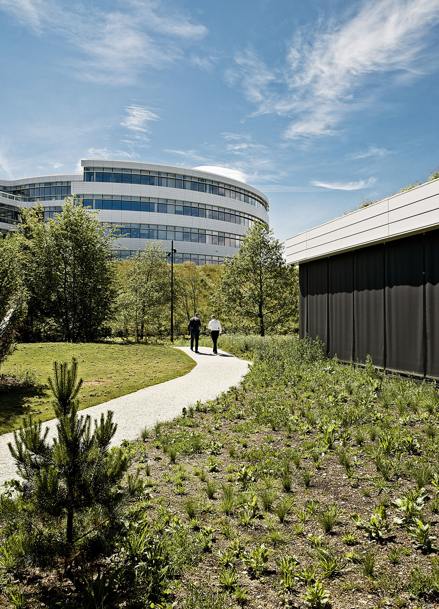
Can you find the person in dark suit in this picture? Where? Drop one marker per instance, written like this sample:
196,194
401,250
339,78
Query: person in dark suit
193,327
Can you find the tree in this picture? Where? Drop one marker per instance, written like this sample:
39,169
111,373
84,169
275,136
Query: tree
68,272
77,472
258,291
144,291
12,295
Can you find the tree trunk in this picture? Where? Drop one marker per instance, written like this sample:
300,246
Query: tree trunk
70,526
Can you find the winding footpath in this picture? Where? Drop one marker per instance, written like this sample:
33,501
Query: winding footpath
163,402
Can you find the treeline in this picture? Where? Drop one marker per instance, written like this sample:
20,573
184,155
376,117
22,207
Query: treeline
60,281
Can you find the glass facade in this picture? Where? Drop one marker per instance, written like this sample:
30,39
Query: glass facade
43,191
169,206
172,180
175,233
197,259
9,214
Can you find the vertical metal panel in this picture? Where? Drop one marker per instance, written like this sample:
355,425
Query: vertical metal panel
404,305
303,300
318,300
341,310
369,304
432,302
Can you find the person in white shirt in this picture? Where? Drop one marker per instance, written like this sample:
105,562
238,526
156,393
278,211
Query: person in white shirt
215,331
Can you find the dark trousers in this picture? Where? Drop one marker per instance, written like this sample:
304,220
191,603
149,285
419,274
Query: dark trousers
194,336
214,334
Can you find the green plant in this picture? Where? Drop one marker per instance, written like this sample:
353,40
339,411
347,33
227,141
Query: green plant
245,476
330,564
316,596
17,599
268,497
349,539
227,530
329,518
283,509
144,434
228,499
276,537
410,506
296,459
420,531
241,595
377,528
210,489
228,578
306,476
316,541
394,556
172,454
190,507
423,475
369,564
307,574
97,592
256,560
78,472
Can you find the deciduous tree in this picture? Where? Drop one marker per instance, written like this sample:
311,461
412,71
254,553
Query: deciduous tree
258,291
68,271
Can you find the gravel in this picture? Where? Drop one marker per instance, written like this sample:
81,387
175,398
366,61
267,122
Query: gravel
212,375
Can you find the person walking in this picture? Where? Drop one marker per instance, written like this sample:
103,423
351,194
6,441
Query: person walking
215,331
193,327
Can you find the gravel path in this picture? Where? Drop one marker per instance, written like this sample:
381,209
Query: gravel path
163,402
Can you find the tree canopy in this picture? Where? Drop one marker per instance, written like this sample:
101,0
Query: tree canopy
68,271
256,290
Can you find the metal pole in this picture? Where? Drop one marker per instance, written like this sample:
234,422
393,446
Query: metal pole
172,291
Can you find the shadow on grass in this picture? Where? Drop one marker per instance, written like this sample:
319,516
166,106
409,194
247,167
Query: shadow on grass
15,404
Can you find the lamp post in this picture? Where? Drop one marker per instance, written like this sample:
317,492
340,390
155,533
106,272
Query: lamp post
171,254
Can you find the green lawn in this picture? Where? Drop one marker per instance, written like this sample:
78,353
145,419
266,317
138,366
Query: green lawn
108,370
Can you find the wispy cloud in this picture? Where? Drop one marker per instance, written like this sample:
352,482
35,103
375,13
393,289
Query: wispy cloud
107,153
111,46
324,72
137,120
346,185
234,174
371,152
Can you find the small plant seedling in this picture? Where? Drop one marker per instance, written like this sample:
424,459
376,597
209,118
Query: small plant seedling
349,539
283,509
329,518
306,476
228,578
369,564
210,489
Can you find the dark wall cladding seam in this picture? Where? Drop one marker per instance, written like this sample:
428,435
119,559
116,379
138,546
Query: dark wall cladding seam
405,316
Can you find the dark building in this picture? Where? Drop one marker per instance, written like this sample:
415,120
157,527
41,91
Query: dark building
369,282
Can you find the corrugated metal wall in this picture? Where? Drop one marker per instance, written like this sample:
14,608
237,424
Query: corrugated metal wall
381,301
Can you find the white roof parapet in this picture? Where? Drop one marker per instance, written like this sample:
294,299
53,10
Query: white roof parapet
410,212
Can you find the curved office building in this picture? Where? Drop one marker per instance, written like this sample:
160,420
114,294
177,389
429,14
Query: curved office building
205,214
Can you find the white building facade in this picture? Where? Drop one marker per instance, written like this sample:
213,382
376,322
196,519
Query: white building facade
205,214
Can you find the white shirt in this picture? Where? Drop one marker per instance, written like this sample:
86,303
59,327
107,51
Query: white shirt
214,324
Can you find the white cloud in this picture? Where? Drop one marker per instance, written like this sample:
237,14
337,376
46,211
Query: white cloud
204,63
106,153
333,70
346,185
371,152
234,174
4,163
138,119
111,46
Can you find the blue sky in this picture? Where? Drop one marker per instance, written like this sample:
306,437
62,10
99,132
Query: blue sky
320,104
